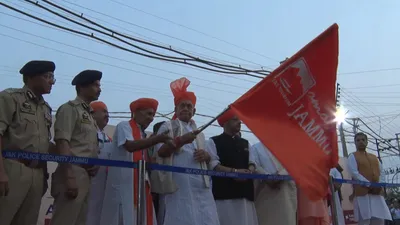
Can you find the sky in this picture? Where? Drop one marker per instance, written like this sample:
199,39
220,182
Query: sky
248,33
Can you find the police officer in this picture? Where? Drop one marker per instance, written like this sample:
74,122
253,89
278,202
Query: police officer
75,134
25,121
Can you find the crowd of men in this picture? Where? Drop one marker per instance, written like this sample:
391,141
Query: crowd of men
93,195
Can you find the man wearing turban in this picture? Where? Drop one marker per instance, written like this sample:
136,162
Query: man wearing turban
120,200
185,199
98,185
234,197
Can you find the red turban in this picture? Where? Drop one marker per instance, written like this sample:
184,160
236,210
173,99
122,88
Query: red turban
98,105
228,115
178,88
144,103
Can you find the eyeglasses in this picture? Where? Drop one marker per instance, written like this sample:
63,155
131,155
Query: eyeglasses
49,76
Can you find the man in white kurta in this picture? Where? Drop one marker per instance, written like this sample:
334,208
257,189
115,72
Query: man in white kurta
369,205
98,185
230,153
275,201
185,199
118,206
339,211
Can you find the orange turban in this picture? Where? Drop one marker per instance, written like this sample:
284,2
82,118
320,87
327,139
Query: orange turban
178,88
98,105
228,115
144,103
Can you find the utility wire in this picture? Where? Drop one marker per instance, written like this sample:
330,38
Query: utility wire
163,34
362,105
374,86
84,37
369,71
217,65
131,62
388,143
107,42
200,32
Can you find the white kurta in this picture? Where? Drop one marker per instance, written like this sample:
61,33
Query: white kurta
274,206
339,211
98,185
118,205
368,206
192,203
232,211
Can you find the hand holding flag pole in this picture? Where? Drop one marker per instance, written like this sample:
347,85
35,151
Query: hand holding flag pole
212,120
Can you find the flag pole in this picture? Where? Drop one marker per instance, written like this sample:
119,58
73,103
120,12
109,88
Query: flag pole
333,202
141,194
213,120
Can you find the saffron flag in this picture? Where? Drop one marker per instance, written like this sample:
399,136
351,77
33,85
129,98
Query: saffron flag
292,111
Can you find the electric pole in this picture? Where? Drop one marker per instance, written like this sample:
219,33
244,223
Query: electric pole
341,131
398,141
378,150
355,125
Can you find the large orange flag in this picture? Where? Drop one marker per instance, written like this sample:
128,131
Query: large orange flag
292,113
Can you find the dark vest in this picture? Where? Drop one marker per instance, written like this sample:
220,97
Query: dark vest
233,153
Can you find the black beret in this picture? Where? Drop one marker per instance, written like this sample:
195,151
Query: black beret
37,67
87,77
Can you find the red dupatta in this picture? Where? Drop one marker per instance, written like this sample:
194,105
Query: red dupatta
137,155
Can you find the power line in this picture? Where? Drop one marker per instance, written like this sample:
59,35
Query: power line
181,65
375,136
348,94
374,86
113,32
128,88
179,39
218,65
384,140
370,71
124,60
377,92
183,61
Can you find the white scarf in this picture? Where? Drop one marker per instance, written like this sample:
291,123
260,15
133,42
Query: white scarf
162,182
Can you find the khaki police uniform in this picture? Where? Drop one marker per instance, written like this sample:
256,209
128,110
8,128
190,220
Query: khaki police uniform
25,122
75,124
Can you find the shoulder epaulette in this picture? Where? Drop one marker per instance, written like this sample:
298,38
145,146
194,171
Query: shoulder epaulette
13,90
74,102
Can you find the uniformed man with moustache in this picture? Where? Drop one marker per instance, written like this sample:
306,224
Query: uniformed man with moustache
75,132
25,121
